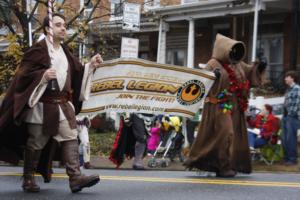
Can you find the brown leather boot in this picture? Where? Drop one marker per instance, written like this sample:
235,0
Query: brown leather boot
31,158
70,157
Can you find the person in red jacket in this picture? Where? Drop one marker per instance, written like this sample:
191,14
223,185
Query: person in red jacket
262,127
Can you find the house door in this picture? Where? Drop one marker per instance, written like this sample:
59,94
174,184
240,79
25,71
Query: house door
176,57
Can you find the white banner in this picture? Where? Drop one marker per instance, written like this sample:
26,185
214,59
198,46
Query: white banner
136,85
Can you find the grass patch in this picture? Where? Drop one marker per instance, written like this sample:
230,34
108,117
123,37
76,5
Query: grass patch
101,143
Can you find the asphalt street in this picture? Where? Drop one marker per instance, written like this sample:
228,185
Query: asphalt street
160,185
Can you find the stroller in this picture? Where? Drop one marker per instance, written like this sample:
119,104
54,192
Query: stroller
170,144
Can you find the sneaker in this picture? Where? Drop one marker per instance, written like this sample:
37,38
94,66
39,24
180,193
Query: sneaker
88,165
136,167
252,149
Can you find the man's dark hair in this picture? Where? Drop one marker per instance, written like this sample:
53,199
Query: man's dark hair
292,74
46,21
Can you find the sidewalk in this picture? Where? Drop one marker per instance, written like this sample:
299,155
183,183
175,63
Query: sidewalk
104,163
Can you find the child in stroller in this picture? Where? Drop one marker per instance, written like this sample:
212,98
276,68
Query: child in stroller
170,144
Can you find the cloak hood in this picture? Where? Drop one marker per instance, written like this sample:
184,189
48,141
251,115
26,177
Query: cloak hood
227,50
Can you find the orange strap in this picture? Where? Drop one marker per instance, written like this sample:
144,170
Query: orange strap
214,100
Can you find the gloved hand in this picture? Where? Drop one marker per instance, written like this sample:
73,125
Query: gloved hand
217,73
262,64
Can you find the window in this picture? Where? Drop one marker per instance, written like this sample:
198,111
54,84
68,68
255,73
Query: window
30,6
116,10
88,9
89,5
151,4
5,12
59,3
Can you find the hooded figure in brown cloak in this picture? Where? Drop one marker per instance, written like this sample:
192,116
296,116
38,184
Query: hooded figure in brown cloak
221,145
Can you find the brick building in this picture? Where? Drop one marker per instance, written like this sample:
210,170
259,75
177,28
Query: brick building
182,32
194,26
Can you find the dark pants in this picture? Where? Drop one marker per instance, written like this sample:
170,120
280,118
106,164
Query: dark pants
140,134
289,138
138,129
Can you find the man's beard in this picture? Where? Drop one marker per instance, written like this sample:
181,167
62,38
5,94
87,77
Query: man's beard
59,39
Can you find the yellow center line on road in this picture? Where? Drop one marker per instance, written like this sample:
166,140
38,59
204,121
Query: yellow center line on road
183,180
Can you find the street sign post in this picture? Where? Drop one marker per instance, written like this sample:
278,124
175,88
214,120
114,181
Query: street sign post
129,47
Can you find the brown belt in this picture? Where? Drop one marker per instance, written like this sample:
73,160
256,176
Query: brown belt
214,100
54,99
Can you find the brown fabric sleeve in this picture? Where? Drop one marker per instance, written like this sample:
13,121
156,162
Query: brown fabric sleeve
252,74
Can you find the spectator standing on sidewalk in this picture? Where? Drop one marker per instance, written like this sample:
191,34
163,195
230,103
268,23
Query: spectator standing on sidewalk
84,146
141,124
291,119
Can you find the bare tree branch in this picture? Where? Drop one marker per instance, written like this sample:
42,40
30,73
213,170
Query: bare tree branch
99,17
93,10
85,21
33,11
71,38
75,17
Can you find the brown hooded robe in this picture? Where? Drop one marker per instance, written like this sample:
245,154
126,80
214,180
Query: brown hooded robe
13,132
222,142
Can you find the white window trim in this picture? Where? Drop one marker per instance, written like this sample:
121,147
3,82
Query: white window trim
183,2
86,13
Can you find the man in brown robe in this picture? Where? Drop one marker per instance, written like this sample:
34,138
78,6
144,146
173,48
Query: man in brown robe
221,145
39,109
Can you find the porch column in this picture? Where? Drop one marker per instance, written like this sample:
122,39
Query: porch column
162,41
255,24
28,7
191,44
294,35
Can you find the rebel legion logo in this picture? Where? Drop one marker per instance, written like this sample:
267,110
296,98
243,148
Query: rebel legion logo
190,92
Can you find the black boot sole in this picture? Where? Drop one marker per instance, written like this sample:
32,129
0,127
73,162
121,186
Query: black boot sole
89,184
